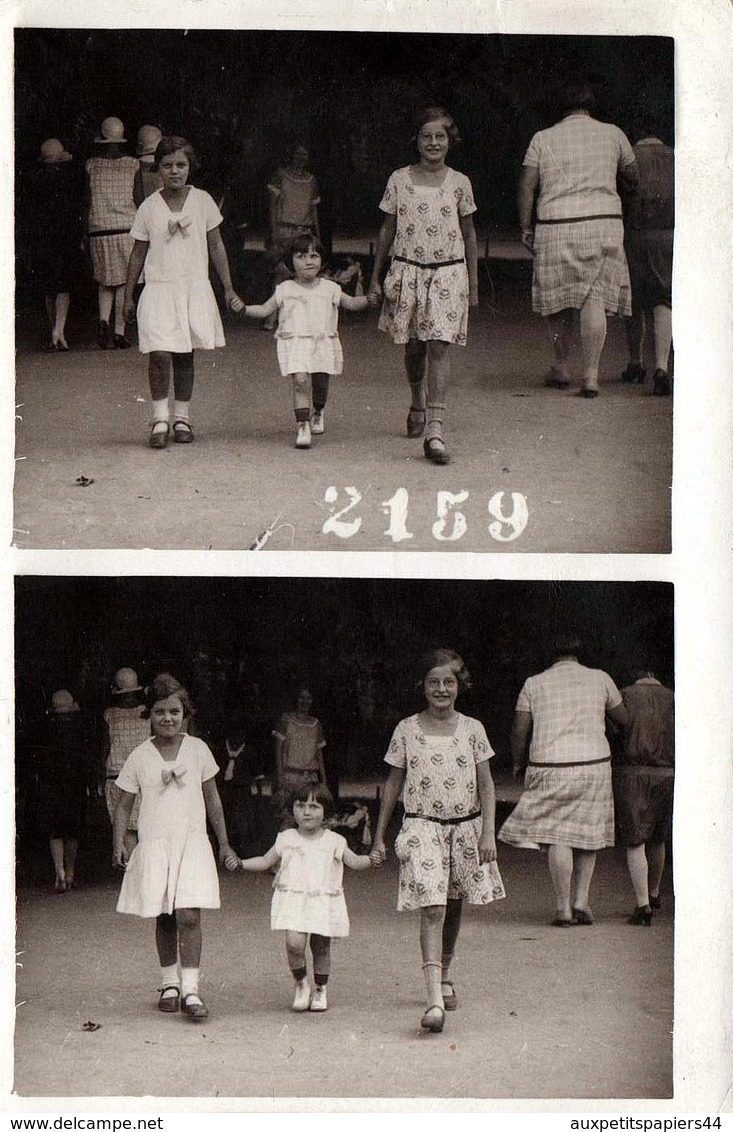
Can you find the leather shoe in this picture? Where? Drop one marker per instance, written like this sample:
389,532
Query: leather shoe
196,1011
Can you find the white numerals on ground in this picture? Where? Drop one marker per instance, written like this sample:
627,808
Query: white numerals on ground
508,510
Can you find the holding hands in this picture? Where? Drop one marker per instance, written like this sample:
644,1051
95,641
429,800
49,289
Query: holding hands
233,301
378,854
228,857
374,296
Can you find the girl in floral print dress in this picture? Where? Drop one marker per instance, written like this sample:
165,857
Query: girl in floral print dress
433,276
439,763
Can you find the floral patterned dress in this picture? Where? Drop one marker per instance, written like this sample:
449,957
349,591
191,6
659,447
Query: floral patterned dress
437,846
426,287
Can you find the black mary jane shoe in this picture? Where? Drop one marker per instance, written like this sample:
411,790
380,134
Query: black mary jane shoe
159,437
196,1011
169,1003
435,450
641,916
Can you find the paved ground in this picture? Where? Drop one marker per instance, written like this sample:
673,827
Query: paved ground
595,475
584,1013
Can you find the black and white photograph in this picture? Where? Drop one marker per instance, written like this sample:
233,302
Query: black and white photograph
365,679
487,229
495,934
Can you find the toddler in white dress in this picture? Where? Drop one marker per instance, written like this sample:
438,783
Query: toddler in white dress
308,346
308,898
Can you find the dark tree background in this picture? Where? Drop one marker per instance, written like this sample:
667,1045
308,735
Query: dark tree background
355,642
244,97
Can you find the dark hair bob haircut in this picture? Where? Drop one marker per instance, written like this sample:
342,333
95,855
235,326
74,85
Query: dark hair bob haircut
437,114
164,686
438,658
171,143
300,244
575,94
317,790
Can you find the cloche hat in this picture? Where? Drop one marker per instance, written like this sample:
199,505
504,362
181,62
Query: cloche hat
53,152
62,702
111,131
147,140
126,681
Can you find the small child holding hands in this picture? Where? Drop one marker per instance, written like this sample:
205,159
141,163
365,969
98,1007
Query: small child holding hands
308,898
308,346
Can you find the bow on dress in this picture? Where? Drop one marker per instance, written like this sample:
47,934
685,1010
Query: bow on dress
181,223
172,774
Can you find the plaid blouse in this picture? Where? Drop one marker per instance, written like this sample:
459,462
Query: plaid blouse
578,160
568,704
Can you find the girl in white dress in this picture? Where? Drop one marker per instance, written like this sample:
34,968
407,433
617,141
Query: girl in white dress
176,232
308,346
171,873
308,898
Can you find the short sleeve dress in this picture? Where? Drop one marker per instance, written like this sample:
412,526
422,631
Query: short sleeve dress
173,864
426,286
177,312
307,329
308,888
437,846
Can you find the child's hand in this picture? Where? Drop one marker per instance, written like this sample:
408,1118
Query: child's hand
378,854
231,862
234,302
374,297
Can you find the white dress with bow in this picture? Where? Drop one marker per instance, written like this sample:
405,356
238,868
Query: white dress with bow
173,864
177,311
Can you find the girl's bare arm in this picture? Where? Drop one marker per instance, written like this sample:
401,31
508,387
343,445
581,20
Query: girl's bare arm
471,252
119,828
384,243
215,814
260,864
356,860
134,267
390,797
261,310
218,255
353,302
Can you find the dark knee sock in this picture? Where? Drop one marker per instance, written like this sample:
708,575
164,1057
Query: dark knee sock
320,390
299,973
302,415
183,374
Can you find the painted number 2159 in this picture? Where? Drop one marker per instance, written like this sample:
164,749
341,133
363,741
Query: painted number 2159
508,514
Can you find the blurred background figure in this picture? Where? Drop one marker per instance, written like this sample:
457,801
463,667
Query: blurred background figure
127,727
64,782
57,233
643,787
111,211
648,241
147,179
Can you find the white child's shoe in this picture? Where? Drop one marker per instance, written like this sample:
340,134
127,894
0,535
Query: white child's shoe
303,435
302,998
320,999
317,423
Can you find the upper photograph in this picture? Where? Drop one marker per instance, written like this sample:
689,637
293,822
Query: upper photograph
327,291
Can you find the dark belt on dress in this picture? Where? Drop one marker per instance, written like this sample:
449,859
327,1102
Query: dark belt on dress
445,821
415,263
109,232
584,762
580,219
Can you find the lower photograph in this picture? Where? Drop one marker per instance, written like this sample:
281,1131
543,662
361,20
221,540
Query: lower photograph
343,838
